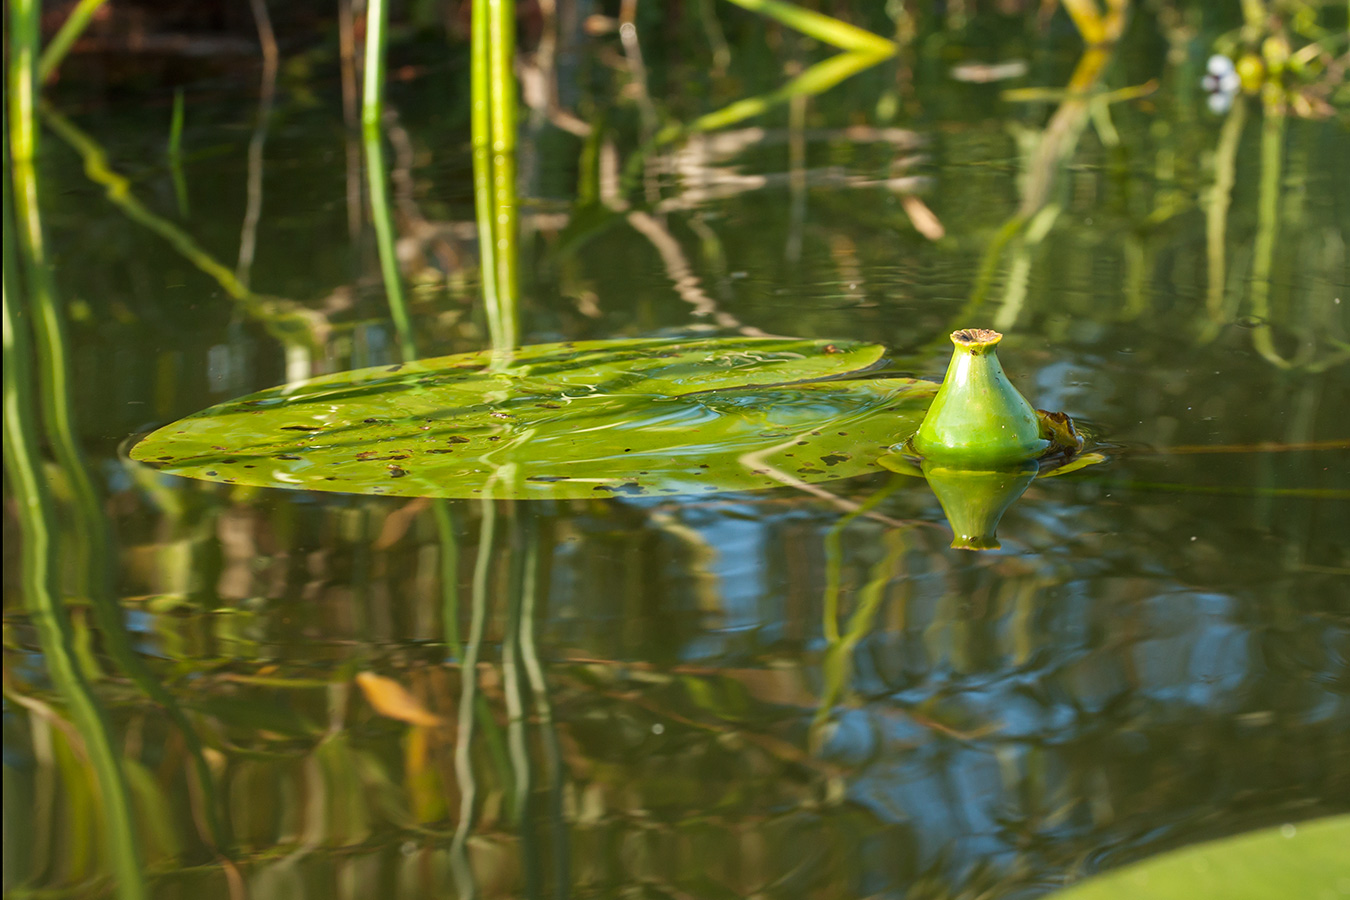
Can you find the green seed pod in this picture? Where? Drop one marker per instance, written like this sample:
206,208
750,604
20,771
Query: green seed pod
975,499
1275,49
978,419
1252,72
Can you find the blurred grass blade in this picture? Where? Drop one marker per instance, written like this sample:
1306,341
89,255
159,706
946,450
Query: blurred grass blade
816,80
69,33
819,26
180,191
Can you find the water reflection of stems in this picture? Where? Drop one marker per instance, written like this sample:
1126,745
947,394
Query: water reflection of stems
1052,147
468,702
286,320
838,655
248,234
1267,231
33,507
1216,211
514,684
534,670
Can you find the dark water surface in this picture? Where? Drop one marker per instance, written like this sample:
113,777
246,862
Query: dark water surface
736,695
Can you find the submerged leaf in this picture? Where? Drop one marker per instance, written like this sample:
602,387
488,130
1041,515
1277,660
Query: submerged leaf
392,700
587,419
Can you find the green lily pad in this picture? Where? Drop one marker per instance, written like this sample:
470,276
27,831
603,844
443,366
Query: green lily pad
1309,860
586,419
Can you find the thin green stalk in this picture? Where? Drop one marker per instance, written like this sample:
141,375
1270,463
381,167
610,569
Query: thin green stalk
493,120
70,32
372,110
33,508
501,58
180,191
481,130
819,26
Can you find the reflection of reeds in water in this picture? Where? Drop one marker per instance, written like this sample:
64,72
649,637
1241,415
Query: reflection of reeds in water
326,774
41,546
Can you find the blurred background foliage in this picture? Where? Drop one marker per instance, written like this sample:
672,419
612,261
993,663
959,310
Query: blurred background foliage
217,692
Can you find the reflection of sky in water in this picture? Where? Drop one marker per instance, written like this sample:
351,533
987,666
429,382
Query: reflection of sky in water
1102,662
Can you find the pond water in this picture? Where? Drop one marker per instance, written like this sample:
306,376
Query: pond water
757,693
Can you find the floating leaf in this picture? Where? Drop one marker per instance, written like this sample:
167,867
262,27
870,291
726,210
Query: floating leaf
1308,860
392,700
587,419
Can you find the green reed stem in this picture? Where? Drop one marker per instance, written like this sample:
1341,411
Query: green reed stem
34,511
372,111
501,57
493,119
481,129
70,32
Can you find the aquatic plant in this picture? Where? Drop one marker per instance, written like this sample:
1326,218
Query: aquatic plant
547,421
978,418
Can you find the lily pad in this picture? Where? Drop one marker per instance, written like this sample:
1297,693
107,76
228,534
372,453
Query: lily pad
570,420
1310,861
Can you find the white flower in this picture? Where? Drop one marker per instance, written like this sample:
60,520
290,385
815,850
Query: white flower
1221,82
